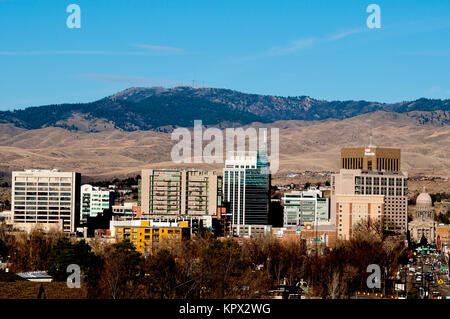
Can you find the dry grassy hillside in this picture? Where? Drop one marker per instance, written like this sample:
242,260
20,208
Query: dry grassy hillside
303,146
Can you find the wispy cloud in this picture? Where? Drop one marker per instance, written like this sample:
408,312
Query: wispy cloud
345,34
74,52
299,45
126,79
158,48
302,44
148,49
293,47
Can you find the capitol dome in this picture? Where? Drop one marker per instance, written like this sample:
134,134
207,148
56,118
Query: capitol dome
424,199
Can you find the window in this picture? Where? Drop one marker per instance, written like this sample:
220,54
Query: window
391,181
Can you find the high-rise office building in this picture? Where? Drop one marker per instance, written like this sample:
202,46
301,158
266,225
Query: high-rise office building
371,158
246,187
49,198
94,201
392,185
177,192
371,172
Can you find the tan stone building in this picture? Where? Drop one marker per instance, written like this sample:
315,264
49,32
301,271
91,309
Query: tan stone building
443,231
354,209
371,158
393,186
423,223
180,192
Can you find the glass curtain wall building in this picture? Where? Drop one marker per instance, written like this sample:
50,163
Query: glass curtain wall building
246,187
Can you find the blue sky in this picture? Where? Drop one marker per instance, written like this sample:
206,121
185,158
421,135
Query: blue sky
318,48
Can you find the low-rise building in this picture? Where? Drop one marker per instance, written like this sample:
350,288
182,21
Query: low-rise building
124,210
254,231
6,217
314,234
148,236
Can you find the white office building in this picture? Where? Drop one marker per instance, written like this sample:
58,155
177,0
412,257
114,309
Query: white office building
302,207
94,201
48,199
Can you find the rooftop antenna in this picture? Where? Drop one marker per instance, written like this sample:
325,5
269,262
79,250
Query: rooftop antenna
370,140
263,145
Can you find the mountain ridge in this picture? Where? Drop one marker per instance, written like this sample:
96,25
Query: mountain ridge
162,109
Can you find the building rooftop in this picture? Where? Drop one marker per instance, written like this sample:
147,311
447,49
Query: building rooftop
34,275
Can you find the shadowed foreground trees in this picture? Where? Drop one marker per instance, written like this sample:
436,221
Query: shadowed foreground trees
204,267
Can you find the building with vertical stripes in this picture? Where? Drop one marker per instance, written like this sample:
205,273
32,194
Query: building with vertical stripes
371,158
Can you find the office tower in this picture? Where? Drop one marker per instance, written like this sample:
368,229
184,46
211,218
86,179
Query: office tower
371,158
172,192
390,184
301,207
246,187
48,198
94,200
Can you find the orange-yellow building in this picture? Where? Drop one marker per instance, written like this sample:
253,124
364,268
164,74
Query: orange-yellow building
148,236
